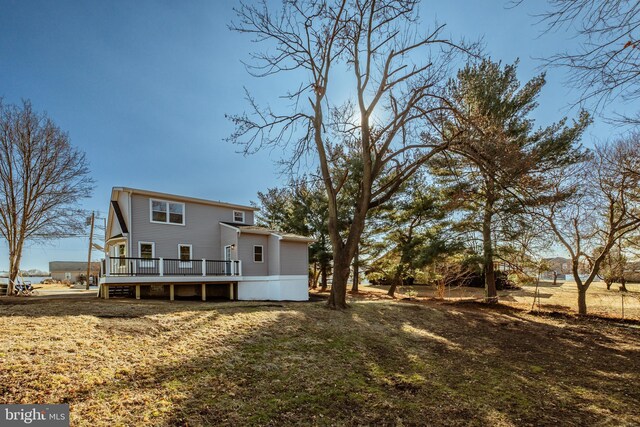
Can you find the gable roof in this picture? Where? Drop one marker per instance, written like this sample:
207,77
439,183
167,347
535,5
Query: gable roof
179,198
256,229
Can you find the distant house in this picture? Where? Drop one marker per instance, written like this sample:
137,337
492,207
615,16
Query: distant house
562,266
167,245
71,270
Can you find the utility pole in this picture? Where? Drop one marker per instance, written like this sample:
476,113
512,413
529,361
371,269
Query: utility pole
93,215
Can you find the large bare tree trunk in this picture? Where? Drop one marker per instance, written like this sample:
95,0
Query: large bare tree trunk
341,263
491,295
394,286
344,252
582,300
14,269
323,277
356,272
314,280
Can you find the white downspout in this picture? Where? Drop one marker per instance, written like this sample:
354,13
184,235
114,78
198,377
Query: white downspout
130,239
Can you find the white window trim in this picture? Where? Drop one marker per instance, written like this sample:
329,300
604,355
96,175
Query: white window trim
185,264
184,212
234,216
144,263
254,253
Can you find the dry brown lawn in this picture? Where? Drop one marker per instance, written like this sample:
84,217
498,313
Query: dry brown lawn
155,363
563,296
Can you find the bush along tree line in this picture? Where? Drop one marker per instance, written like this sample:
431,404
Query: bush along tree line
420,171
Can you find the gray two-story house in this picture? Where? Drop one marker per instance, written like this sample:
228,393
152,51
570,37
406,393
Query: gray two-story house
167,245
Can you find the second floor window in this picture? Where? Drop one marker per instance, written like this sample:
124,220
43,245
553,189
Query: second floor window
167,212
238,216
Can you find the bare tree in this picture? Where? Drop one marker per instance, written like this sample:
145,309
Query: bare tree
607,61
396,72
42,177
450,272
613,267
603,207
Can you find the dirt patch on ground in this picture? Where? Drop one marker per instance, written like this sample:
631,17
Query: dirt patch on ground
383,362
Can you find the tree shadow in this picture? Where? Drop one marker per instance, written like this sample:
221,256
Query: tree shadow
116,307
379,362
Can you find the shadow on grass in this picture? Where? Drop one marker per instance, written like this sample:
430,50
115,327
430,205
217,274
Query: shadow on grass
395,363
379,362
117,307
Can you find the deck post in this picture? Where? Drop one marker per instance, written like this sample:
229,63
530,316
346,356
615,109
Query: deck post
137,291
161,266
204,292
107,266
171,293
239,267
105,290
231,291
204,267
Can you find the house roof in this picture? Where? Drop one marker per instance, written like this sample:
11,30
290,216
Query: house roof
71,266
256,229
177,197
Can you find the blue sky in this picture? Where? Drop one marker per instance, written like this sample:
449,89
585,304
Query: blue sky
142,87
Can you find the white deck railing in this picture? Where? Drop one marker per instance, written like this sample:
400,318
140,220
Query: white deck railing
160,267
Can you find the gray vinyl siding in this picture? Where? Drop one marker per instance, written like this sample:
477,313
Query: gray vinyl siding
201,229
294,258
245,254
229,237
274,255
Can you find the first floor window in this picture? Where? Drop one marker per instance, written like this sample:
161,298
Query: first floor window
184,252
146,250
257,254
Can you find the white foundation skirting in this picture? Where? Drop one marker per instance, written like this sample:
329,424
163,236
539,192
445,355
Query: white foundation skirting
274,288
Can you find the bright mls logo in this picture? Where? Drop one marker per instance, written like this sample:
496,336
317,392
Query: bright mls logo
34,415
